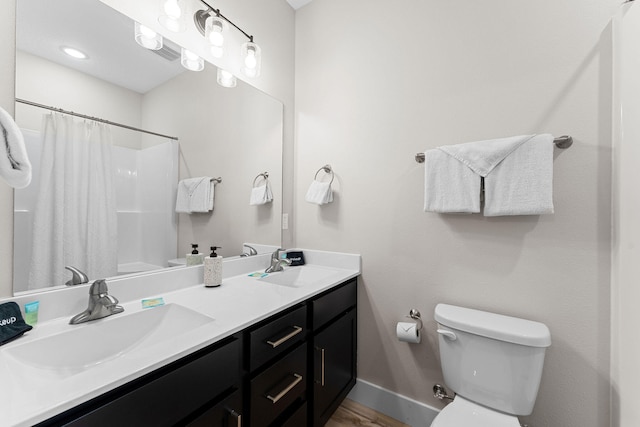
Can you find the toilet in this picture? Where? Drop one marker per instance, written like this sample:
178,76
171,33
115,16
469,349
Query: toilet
492,362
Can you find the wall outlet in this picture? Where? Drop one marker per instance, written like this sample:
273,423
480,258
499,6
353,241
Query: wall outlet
285,221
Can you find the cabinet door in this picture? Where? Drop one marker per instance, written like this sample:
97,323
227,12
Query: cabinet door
334,353
227,413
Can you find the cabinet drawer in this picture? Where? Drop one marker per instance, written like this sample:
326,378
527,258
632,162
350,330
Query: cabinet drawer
227,413
298,418
334,303
276,336
278,387
165,397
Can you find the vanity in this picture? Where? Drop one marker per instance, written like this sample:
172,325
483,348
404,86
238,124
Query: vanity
278,350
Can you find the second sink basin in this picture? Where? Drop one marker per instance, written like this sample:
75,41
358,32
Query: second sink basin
299,276
92,343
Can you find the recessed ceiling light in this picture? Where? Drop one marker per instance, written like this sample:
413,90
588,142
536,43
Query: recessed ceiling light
74,53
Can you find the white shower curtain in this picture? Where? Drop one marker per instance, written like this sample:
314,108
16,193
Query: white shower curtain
75,220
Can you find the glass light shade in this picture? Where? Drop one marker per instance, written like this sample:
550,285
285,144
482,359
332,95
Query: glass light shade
214,28
147,38
191,61
226,79
172,16
74,53
251,59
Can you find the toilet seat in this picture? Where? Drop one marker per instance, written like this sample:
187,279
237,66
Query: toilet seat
463,412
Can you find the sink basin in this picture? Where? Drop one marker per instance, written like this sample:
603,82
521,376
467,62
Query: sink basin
92,343
297,277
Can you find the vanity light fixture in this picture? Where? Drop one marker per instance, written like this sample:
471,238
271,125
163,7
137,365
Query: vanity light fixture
74,53
226,79
172,16
147,38
211,24
191,61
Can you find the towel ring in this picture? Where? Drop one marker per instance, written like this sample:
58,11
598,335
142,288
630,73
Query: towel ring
264,175
327,169
216,180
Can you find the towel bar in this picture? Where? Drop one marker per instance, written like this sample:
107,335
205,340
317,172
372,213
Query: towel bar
564,141
216,180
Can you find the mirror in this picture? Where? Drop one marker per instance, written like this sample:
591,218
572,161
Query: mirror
231,133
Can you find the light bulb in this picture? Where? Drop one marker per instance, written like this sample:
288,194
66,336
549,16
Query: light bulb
74,53
147,38
191,61
226,79
171,16
250,60
172,9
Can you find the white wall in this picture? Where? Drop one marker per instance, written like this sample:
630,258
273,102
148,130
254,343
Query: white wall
374,86
7,95
626,239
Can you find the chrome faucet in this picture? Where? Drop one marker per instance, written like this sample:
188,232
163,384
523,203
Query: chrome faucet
101,304
252,251
78,277
277,262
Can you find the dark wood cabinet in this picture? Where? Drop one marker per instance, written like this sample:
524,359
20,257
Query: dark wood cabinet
333,348
290,370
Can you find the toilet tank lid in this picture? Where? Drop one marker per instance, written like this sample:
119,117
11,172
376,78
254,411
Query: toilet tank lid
496,326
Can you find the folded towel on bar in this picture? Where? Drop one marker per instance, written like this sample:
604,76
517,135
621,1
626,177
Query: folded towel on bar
450,187
319,193
522,184
261,195
195,195
15,167
517,172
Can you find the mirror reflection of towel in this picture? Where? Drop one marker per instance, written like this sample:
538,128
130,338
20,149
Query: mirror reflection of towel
15,167
261,195
195,195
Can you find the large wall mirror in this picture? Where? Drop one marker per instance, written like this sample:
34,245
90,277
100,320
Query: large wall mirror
230,133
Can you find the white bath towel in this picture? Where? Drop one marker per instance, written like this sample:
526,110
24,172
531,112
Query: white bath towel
522,184
195,195
319,193
15,167
261,195
517,172
449,185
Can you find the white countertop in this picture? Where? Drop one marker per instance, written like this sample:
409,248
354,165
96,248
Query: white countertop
31,394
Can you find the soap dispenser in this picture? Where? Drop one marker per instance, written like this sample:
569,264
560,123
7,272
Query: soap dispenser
195,257
213,269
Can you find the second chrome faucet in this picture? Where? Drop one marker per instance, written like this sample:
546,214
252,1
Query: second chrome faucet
277,262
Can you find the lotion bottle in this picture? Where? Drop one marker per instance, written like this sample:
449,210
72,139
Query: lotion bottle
213,269
195,257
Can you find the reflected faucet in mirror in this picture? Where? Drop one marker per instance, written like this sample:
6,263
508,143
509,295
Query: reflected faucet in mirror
101,304
252,251
78,277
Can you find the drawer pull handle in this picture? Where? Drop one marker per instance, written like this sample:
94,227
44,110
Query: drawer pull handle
322,367
296,331
286,390
237,416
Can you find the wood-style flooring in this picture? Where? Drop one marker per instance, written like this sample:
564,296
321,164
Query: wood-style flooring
351,413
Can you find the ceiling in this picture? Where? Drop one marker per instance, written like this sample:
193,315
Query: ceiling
44,26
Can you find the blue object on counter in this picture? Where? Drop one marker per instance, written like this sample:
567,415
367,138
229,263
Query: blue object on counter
12,325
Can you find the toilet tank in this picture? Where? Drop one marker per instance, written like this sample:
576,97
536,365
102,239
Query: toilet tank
491,359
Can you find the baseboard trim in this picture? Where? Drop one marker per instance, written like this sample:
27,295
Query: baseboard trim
402,408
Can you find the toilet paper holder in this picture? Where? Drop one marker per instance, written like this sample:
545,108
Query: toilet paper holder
415,315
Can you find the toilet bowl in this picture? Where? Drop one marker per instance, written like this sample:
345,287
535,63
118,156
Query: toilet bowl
492,362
